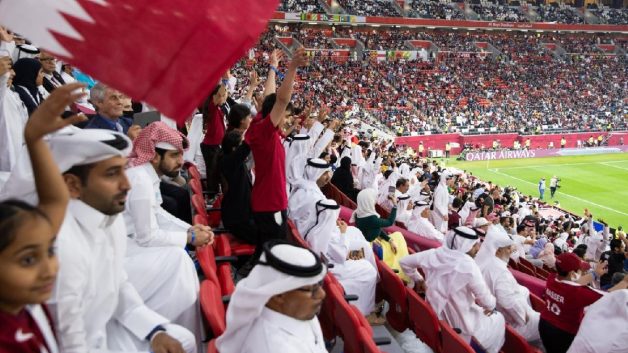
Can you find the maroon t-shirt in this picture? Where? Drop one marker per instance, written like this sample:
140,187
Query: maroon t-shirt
269,190
565,303
20,333
215,126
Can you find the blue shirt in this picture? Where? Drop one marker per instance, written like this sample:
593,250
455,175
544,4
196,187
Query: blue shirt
100,122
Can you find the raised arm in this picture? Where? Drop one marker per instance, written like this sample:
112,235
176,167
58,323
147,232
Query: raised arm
51,190
284,94
270,86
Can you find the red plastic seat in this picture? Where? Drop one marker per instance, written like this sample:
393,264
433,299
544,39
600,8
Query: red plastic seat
199,206
515,343
451,340
212,307
207,261
211,348
348,324
423,321
366,337
541,273
527,269
538,304
223,270
195,186
392,289
326,315
194,172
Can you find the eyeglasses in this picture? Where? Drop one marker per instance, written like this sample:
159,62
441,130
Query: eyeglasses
313,289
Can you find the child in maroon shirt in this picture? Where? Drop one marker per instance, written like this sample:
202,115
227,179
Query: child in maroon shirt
27,236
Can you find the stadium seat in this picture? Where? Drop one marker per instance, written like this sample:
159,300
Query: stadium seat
223,270
195,186
326,315
452,342
211,347
212,307
392,289
423,321
368,344
348,324
194,172
541,273
515,343
537,303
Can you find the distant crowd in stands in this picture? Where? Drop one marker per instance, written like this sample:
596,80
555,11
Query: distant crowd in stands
446,10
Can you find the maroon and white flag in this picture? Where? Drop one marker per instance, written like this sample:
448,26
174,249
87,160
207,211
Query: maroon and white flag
168,53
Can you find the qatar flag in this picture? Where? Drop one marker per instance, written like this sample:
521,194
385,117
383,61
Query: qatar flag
168,53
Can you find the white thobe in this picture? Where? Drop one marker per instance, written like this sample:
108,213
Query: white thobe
302,206
356,276
462,296
513,300
274,332
441,209
195,137
156,260
604,329
596,243
424,228
13,117
94,306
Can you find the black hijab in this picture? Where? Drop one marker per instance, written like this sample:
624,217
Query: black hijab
26,71
342,178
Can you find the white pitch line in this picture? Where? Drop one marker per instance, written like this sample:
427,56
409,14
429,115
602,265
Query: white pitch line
560,164
612,166
562,193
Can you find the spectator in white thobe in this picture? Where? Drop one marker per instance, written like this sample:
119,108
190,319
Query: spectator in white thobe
419,223
456,289
513,300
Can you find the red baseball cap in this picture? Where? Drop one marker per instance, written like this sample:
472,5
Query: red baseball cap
568,262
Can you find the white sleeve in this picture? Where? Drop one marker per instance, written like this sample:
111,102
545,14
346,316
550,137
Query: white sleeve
510,301
315,132
141,214
322,142
133,314
482,294
66,304
338,247
410,263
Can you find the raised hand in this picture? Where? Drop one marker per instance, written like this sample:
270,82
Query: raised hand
275,57
299,58
254,79
5,36
47,118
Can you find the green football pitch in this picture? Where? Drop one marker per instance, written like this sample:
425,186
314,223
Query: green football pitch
597,182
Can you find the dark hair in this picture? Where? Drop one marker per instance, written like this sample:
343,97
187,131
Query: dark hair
81,171
520,228
231,141
323,155
387,173
401,182
205,108
12,214
456,203
237,113
615,243
580,252
269,103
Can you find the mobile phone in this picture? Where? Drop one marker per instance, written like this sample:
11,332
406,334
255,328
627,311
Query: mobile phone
143,119
391,191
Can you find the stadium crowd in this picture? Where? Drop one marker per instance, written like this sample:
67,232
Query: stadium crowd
100,247
486,10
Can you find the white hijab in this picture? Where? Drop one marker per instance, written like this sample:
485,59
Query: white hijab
366,205
253,292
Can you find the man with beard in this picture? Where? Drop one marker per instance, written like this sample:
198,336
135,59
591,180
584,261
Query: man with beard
94,305
156,261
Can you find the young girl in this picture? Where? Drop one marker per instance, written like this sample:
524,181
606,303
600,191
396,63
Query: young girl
27,235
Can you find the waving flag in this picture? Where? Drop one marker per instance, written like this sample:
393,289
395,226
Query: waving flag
167,53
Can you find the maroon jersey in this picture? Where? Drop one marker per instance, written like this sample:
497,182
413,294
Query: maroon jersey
565,303
21,332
